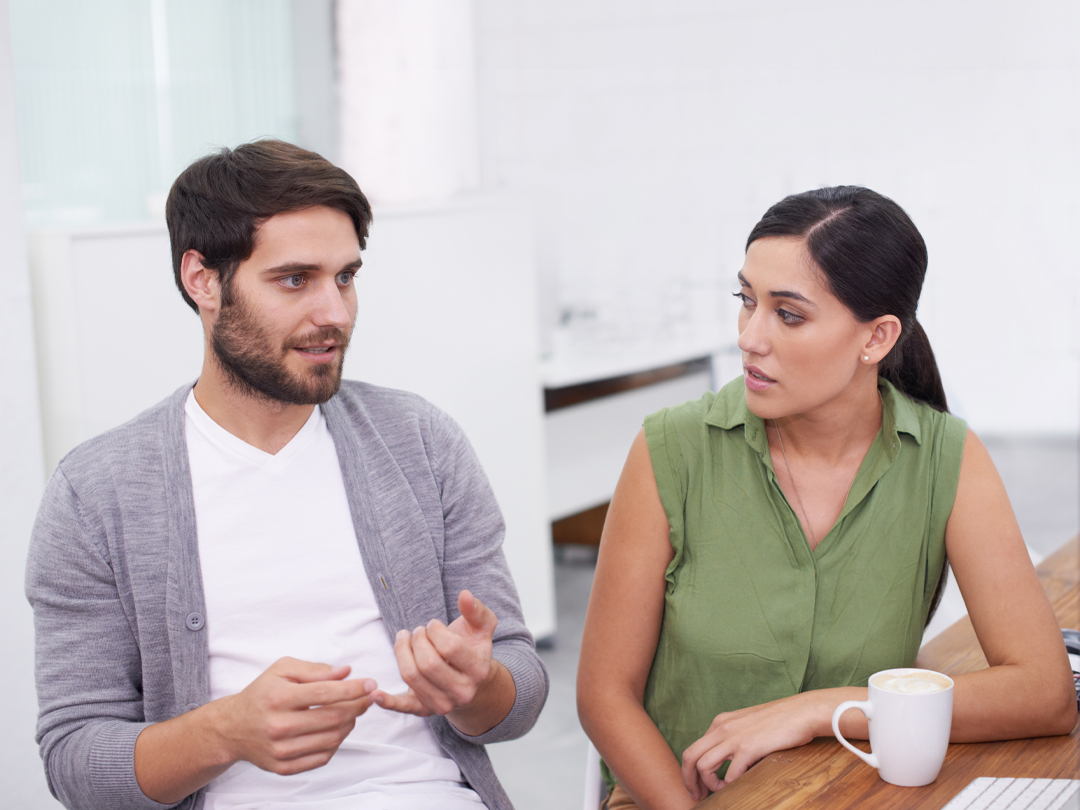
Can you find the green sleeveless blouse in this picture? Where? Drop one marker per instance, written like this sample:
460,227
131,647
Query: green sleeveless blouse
751,614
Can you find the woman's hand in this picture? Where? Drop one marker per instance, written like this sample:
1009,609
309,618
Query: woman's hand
748,735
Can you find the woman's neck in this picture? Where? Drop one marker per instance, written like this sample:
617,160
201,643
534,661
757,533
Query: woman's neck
832,432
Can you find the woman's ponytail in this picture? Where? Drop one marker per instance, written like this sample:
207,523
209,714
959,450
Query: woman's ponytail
912,369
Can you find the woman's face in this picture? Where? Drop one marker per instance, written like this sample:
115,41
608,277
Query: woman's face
801,348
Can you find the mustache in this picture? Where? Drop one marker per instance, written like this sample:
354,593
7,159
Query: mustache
339,336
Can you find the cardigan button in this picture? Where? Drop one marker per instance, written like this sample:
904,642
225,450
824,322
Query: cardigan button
191,707
195,621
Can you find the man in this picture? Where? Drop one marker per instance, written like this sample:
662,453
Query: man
251,594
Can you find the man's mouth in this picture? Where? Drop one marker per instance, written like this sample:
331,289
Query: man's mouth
316,350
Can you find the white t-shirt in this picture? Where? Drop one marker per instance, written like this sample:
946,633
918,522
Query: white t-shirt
282,575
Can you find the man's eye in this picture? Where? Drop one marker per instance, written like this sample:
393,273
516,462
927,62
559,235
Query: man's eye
345,277
293,281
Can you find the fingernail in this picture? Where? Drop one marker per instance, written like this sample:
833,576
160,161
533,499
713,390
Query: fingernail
377,700
370,685
401,634
418,630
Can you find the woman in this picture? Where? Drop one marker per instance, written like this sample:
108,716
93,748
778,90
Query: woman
771,546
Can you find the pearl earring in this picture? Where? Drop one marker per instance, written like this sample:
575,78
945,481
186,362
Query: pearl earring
866,358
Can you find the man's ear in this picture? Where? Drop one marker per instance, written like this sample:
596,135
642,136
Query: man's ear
884,332
201,282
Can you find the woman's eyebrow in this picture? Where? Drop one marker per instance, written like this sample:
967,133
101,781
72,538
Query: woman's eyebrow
794,296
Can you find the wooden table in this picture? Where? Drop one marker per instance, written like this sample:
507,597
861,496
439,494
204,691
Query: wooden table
823,775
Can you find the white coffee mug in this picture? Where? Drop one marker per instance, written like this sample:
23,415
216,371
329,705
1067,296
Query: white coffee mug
910,716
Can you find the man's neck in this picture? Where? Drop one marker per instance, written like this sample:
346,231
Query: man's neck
264,423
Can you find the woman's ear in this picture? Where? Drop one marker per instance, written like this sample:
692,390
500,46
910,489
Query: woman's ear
200,281
884,332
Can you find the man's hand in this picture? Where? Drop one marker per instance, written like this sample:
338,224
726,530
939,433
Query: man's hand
450,671
292,718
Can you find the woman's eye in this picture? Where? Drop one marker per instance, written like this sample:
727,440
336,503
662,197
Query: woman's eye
789,317
747,301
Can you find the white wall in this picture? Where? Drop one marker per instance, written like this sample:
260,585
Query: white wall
656,132
406,72
21,473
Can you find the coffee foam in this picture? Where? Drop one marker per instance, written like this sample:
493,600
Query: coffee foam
911,682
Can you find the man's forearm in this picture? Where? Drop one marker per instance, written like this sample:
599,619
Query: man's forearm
175,758
492,703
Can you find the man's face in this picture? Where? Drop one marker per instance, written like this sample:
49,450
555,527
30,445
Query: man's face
283,338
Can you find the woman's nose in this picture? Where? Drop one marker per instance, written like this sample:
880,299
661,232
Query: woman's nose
753,337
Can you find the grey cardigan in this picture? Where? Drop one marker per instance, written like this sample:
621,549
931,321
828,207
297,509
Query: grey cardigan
113,576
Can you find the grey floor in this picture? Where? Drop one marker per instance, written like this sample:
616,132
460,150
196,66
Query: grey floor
545,770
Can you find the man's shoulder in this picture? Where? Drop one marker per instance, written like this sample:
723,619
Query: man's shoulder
377,399
390,411
127,446
367,416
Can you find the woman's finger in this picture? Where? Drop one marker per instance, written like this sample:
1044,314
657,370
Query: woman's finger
740,764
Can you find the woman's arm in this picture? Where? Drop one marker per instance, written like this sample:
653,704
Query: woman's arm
621,632
1028,690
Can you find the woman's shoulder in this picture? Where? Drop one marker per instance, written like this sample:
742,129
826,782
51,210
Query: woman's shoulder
725,408
939,432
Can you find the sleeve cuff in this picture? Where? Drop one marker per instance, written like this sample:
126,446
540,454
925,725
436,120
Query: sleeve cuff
531,682
112,768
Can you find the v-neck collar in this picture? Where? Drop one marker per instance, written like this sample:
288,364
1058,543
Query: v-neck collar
241,449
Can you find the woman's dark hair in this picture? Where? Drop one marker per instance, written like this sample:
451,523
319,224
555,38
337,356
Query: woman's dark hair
874,261
218,202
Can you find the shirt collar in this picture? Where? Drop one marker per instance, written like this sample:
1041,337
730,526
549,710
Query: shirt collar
899,415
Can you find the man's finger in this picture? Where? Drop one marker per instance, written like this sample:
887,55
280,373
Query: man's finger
325,693
300,671
409,648
437,681
405,703
471,658
480,618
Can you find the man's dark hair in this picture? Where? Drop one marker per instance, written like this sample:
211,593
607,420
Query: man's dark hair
218,202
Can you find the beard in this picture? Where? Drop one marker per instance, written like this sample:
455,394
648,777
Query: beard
253,366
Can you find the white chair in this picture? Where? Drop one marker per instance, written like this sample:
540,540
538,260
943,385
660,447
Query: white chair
594,785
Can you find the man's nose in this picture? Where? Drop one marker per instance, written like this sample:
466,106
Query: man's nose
332,308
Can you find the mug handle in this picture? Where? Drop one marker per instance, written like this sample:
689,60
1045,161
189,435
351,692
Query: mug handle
864,707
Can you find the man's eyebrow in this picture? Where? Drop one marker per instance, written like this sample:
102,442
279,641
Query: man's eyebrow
791,294
302,267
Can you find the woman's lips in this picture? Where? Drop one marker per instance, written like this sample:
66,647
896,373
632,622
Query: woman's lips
756,380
